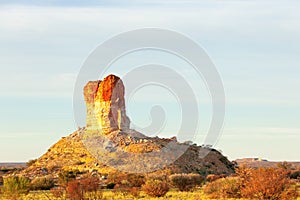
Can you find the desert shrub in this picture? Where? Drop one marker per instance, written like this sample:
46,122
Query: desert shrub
267,183
14,186
155,187
83,189
57,192
135,180
186,182
90,184
1,180
42,183
74,190
224,188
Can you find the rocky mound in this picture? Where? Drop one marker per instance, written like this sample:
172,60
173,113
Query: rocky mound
107,144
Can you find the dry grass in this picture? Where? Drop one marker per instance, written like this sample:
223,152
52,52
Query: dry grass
112,195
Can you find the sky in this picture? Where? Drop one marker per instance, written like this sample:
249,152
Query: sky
255,46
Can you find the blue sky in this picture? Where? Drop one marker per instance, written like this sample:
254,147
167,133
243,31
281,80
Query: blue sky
255,46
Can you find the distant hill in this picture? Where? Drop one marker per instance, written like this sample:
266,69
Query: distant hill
257,162
10,165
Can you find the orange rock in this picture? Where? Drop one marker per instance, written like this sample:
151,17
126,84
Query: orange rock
106,105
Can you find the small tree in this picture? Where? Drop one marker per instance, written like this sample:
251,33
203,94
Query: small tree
155,187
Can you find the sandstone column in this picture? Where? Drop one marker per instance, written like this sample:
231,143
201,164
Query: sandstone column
106,105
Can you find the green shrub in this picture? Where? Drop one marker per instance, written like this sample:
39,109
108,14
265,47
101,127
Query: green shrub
155,187
14,186
42,183
186,182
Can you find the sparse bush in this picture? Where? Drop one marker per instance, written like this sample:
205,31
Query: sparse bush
224,188
83,189
42,183
262,183
186,182
14,186
74,190
155,187
267,183
90,184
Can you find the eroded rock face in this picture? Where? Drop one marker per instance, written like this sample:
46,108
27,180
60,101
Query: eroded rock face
106,105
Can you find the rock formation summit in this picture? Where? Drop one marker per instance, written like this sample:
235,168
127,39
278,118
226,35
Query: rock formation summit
106,105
